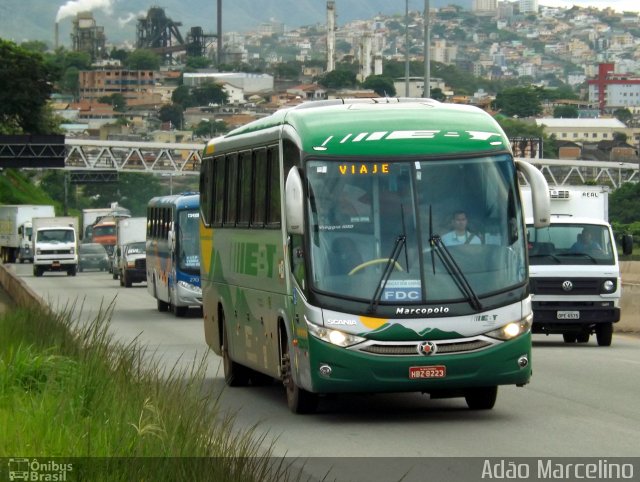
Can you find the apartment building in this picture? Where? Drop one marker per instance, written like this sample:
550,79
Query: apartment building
610,90
136,86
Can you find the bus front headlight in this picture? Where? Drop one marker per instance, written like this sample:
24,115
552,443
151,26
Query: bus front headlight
335,337
190,287
512,330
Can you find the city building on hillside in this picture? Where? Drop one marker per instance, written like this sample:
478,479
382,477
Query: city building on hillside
136,86
416,86
581,130
610,90
484,7
528,6
249,83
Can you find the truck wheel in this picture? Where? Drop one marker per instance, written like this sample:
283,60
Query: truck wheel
72,271
481,398
604,333
569,337
37,271
127,281
583,337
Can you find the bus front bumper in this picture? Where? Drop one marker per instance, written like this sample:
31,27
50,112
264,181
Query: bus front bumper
333,369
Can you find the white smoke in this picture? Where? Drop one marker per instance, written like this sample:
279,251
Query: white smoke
73,7
122,21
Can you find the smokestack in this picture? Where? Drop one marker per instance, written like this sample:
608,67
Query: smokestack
219,19
331,35
56,37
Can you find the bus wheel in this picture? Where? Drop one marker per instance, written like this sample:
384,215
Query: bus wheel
481,398
162,305
235,375
299,400
604,333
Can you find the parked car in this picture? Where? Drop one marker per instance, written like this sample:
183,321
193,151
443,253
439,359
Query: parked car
92,256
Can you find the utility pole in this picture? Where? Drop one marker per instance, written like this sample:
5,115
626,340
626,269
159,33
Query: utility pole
406,49
426,92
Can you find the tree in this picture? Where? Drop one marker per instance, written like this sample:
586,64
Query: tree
519,102
437,94
209,93
565,112
624,203
143,59
383,86
337,79
182,95
116,100
172,113
196,62
27,83
623,115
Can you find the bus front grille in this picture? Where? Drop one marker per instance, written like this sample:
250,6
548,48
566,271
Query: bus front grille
411,349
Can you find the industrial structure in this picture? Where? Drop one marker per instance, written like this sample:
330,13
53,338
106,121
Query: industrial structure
160,34
331,35
88,37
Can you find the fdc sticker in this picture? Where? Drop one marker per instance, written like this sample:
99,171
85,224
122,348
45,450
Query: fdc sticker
402,290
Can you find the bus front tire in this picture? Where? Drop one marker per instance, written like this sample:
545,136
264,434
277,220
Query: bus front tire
299,400
481,398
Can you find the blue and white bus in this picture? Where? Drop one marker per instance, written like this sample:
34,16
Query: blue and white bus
173,252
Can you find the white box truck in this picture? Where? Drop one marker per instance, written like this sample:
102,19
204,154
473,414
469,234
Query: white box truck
15,230
128,230
574,273
55,245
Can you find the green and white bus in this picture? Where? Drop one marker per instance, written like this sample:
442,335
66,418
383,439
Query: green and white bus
322,259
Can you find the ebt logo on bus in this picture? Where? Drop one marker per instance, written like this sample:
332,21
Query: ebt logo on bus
362,168
254,259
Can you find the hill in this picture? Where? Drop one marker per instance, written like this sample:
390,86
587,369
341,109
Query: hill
22,20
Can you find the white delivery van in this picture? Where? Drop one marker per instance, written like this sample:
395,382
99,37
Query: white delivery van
573,266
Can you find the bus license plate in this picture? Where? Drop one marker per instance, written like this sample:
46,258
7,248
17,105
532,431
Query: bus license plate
568,315
434,371
56,264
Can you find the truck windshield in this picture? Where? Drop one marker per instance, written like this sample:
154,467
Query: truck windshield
574,243
380,231
188,242
55,236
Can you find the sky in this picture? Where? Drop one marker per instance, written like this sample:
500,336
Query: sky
617,5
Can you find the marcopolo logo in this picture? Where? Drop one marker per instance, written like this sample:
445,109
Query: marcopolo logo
438,310
36,470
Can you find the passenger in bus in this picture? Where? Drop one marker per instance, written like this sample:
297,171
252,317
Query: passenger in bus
459,234
344,256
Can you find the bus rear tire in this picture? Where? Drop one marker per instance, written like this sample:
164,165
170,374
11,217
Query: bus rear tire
481,398
235,375
299,400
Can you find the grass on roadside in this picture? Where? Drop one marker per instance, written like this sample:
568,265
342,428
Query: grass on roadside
67,389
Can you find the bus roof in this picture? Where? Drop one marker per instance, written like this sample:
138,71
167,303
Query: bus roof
188,200
384,127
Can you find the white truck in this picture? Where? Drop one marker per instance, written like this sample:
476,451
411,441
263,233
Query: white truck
55,245
15,230
128,230
573,265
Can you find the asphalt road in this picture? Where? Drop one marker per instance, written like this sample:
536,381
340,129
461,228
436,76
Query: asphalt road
583,401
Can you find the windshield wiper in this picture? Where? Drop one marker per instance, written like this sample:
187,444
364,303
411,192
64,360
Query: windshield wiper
451,266
547,255
400,242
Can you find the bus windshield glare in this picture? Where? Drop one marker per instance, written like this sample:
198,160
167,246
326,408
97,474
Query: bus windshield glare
381,226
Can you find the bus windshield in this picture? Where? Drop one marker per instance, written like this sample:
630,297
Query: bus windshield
415,231
188,242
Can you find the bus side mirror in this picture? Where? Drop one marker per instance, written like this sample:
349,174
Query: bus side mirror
294,202
540,200
627,244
